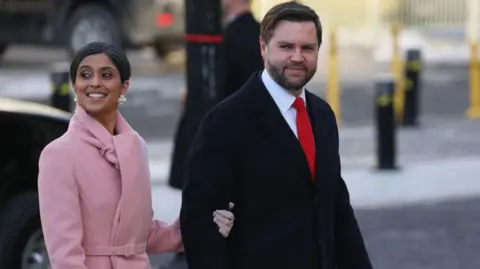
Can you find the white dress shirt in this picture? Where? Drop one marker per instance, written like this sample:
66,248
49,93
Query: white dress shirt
284,100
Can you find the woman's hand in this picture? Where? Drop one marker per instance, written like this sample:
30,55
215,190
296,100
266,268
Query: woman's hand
224,220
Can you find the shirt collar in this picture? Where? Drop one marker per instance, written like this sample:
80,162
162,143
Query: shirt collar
282,98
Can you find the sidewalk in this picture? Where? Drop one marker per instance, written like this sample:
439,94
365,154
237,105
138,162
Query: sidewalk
441,161
433,140
426,182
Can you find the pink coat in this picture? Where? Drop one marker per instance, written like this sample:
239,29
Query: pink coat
95,199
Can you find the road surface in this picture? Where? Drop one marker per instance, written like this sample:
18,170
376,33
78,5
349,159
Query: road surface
432,236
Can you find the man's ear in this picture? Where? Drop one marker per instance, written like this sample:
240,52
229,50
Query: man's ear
263,47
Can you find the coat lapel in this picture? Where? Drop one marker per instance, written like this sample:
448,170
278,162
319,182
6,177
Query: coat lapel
135,175
127,154
271,122
316,112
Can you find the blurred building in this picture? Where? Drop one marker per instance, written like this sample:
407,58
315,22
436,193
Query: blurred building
361,22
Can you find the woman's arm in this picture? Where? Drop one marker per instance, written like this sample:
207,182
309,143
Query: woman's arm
164,238
60,209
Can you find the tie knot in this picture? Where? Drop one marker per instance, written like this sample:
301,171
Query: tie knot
299,104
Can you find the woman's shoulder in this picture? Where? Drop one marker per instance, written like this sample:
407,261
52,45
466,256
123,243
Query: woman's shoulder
60,146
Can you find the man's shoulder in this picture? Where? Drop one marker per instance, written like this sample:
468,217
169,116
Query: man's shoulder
234,107
245,24
318,103
230,106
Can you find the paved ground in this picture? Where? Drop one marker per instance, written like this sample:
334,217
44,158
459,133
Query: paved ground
435,236
434,140
423,218
422,235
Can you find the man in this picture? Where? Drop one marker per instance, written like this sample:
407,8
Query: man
280,162
242,53
242,57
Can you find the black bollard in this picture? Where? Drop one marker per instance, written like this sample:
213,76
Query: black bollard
413,66
60,79
385,123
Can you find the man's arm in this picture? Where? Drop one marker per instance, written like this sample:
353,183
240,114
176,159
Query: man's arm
350,247
209,173
351,252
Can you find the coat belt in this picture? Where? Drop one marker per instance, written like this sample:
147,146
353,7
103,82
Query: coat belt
127,250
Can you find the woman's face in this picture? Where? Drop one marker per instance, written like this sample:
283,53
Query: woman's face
98,85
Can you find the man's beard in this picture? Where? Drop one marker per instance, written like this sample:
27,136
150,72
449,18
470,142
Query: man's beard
278,76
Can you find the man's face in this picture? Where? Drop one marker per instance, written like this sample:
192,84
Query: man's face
225,7
292,53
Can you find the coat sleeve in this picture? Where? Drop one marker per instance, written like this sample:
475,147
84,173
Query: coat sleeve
60,209
350,247
209,173
163,238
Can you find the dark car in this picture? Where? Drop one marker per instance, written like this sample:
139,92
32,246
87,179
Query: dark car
75,23
25,129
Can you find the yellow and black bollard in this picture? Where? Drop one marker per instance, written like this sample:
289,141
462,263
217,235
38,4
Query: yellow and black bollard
333,90
397,70
385,123
413,66
60,82
473,112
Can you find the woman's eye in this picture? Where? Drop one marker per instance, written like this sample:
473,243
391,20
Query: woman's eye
85,75
107,75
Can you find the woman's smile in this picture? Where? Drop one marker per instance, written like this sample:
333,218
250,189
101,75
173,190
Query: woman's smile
97,95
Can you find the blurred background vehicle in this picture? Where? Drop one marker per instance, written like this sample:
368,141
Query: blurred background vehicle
26,129
74,23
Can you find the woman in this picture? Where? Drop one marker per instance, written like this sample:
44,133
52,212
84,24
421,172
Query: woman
94,181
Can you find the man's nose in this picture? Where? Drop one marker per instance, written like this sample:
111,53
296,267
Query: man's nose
297,55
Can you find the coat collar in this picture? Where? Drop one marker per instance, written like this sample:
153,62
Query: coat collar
265,113
92,132
127,152
282,98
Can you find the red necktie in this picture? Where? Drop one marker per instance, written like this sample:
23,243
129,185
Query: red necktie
305,133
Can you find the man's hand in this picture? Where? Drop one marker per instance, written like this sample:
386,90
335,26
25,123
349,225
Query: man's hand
224,220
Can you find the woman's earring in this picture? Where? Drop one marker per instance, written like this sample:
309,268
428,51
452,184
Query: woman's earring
122,99
75,98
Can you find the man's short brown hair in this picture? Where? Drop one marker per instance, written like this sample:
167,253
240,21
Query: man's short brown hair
288,11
